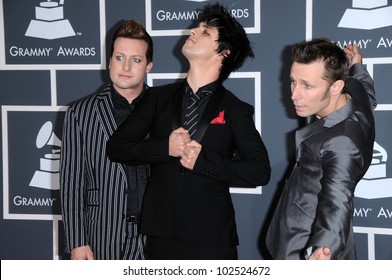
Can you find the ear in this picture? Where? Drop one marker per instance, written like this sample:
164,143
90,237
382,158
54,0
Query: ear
337,87
110,62
149,67
225,53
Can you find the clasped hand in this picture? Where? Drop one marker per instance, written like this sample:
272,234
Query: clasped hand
181,145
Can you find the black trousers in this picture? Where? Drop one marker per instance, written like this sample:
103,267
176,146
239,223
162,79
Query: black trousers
173,249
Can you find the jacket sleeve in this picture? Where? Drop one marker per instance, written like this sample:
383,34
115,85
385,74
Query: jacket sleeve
129,144
342,165
359,72
72,183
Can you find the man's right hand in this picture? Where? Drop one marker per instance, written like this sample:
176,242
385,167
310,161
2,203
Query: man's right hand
177,142
82,253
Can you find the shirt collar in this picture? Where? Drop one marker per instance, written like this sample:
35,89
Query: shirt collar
203,91
339,115
121,100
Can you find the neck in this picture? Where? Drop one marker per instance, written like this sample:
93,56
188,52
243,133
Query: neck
344,98
130,93
337,103
199,77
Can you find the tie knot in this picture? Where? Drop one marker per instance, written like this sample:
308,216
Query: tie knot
203,93
197,96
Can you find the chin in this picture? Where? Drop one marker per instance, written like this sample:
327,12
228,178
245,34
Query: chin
302,114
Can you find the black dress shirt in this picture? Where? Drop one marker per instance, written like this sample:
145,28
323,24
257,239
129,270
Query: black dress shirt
136,174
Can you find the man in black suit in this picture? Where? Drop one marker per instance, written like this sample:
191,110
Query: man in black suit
314,217
187,211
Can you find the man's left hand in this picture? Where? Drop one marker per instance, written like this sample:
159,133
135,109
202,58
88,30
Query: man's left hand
190,154
322,253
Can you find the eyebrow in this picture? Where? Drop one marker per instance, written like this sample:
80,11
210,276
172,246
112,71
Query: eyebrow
301,80
205,25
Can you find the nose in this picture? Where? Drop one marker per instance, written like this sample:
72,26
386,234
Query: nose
193,32
295,92
127,64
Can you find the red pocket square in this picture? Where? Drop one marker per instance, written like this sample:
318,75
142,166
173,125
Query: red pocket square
219,119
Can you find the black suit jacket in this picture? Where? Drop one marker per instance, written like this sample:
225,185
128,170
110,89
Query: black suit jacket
193,206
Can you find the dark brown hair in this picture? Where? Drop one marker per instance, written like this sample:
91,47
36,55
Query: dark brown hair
132,29
336,64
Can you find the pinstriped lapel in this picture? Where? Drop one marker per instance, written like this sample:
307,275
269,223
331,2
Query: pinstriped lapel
104,110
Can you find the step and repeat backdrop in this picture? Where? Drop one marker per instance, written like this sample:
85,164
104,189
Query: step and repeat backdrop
54,52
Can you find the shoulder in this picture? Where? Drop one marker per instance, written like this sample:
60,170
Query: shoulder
162,89
235,102
88,101
161,94
349,137
353,84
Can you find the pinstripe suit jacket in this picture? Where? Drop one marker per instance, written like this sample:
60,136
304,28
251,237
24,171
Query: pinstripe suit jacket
93,188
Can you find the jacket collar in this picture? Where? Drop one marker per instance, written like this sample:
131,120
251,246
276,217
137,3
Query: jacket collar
104,110
211,110
331,120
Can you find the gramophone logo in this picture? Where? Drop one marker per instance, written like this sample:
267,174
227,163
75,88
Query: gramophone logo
48,177
49,22
367,15
375,183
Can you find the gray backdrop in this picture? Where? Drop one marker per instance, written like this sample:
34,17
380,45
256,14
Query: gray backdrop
52,53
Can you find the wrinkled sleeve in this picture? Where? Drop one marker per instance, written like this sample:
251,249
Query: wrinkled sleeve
342,164
359,72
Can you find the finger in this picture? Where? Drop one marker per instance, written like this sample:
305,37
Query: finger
194,144
326,251
180,130
348,51
187,138
184,162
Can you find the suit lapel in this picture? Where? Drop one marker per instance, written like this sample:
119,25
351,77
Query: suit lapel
177,106
210,112
104,110
307,131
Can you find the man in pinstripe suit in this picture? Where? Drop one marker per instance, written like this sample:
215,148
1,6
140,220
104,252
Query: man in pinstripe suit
100,198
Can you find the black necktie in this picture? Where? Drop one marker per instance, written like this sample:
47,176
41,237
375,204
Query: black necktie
193,102
191,115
